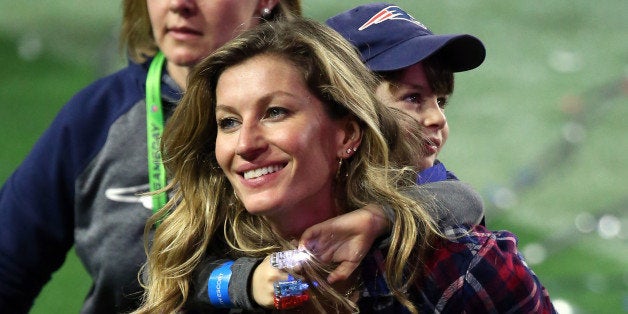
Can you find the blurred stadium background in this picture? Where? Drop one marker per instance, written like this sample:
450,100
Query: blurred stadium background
539,129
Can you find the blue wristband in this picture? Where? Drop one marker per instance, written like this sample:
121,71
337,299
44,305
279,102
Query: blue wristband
218,286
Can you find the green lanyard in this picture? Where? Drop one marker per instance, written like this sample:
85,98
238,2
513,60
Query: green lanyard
154,130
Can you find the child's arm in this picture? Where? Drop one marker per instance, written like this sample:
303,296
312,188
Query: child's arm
344,239
347,238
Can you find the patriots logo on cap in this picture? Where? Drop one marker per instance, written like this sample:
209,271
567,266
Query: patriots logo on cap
390,13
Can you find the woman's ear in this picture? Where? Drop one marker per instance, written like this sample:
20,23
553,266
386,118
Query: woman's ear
266,6
352,138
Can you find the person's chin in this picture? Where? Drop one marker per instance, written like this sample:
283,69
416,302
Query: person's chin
428,162
188,62
183,58
424,164
257,209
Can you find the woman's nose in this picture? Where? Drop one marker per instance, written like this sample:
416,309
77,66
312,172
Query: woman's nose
251,141
184,7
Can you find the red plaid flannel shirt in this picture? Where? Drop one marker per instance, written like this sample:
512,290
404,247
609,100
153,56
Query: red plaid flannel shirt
476,271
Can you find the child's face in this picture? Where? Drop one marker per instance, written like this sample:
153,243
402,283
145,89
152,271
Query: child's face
412,94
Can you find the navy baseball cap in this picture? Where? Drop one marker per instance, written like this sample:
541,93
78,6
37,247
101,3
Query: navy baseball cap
389,39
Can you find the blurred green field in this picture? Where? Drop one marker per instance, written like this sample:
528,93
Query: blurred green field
539,129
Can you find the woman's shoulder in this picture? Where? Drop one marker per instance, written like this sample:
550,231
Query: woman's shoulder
107,97
127,81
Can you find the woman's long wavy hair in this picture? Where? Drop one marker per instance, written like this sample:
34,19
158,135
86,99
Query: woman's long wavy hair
204,216
136,34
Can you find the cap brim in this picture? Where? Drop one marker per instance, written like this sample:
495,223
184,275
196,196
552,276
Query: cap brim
461,52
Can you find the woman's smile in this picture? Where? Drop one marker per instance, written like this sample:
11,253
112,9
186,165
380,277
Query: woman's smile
256,173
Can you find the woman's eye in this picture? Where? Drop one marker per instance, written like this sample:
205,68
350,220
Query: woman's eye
276,112
226,124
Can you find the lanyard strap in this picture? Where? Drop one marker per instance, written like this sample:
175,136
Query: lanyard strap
154,130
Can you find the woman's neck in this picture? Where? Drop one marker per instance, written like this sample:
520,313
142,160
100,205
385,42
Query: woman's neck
179,74
290,224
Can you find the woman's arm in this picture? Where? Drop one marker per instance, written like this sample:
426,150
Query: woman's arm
344,239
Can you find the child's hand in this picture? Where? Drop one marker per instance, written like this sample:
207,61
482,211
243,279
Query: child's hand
345,239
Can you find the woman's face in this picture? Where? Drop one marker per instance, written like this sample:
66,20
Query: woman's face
412,94
276,144
189,30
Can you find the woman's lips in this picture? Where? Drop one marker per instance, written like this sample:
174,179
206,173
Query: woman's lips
256,173
183,33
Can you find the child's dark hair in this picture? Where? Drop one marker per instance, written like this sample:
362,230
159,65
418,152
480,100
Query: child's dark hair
439,76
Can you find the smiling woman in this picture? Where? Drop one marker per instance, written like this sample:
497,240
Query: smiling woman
78,185
299,138
281,130
273,136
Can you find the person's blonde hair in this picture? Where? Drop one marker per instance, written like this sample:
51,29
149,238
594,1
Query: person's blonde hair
136,34
204,216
